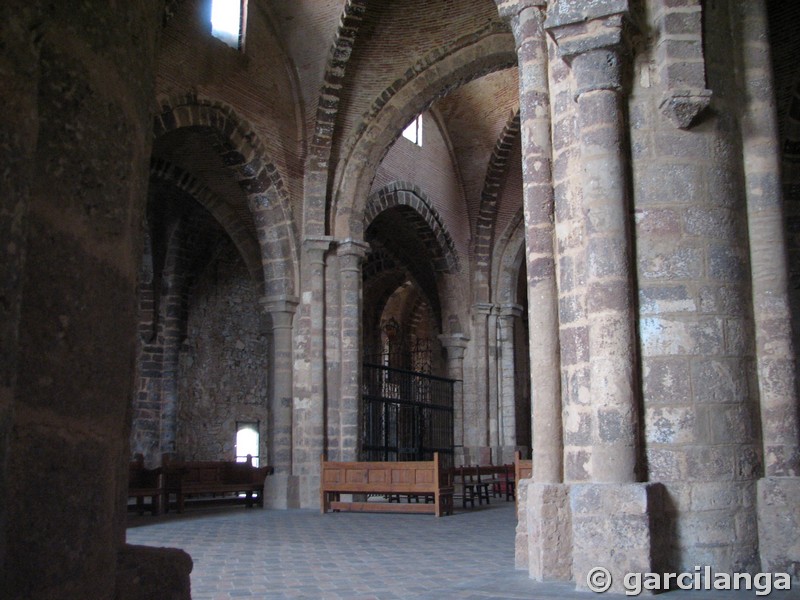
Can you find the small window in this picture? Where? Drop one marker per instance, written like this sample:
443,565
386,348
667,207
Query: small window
227,21
413,132
247,441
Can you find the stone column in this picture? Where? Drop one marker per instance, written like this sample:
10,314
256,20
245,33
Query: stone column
455,344
308,427
778,508
541,544
610,516
278,488
506,321
493,384
69,356
527,21
351,254
597,64
476,405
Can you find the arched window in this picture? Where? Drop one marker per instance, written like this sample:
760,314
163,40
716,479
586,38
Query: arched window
247,441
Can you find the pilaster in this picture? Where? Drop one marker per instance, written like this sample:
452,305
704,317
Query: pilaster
351,253
279,489
309,407
455,345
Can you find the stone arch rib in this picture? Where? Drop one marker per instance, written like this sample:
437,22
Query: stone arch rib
247,246
433,77
319,152
429,226
483,238
243,154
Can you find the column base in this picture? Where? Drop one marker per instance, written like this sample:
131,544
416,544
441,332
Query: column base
778,524
145,572
612,528
308,491
281,492
549,531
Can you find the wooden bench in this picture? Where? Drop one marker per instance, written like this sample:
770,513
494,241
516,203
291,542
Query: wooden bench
483,482
387,479
236,481
500,479
145,484
523,469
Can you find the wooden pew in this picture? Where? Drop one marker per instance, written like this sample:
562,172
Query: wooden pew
225,479
144,484
388,479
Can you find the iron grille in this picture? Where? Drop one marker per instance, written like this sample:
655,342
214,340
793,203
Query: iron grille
407,415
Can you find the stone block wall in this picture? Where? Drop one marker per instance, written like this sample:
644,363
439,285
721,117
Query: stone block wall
223,363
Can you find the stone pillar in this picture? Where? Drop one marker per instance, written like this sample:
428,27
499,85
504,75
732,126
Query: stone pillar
351,254
778,492
506,322
493,382
476,404
19,127
308,427
611,515
527,21
597,64
455,344
64,433
541,546
279,486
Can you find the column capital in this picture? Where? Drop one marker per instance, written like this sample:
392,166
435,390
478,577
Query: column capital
508,9
590,37
454,340
510,310
317,245
279,304
483,308
351,247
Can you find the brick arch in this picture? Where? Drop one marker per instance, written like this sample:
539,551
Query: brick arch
425,219
247,246
483,238
320,147
243,153
433,77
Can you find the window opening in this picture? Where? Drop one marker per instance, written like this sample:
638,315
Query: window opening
413,132
227,21
247,440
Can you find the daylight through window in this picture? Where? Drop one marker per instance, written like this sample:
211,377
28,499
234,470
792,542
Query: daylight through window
414,131
227,21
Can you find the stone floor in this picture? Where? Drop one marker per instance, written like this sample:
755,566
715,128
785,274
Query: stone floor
265,554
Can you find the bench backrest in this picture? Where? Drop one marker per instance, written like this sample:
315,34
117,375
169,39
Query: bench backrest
140,477
402,477
523,469
210,473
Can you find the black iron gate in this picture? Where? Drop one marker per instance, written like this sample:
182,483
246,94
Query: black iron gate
407,415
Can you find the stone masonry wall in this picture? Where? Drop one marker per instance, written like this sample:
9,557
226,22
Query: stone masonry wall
695,324
223,363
